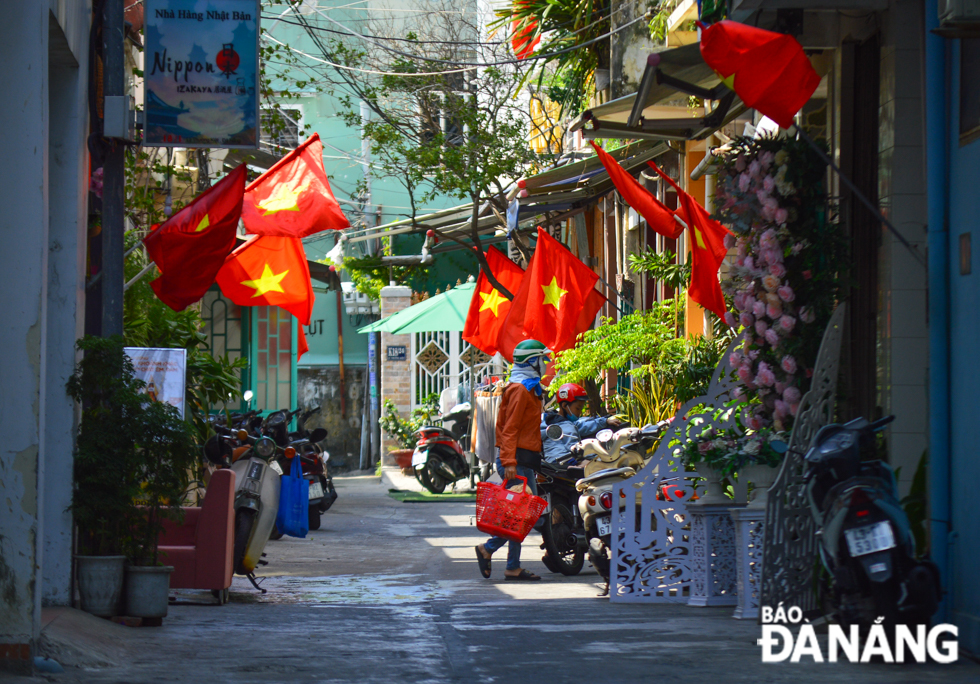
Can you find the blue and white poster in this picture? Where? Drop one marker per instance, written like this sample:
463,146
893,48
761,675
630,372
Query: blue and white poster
201,69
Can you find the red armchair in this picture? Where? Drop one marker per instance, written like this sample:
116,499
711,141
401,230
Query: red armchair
201,548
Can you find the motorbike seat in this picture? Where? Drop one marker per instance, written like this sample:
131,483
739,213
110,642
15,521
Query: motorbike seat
603,474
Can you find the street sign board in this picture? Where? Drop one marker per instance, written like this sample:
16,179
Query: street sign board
201,73
164,372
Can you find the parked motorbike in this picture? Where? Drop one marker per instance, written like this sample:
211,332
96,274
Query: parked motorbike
865,540
313,458
439,458
257,482
612,456
563,532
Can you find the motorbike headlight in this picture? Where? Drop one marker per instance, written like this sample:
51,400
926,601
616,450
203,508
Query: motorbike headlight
265,447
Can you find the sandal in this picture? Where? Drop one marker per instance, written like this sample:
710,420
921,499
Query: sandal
483,561
525,576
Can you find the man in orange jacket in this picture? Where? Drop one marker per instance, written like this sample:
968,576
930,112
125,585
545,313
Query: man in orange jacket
518,441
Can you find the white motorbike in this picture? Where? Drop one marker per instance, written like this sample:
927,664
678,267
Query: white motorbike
612,456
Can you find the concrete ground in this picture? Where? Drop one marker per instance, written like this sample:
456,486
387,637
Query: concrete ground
390,592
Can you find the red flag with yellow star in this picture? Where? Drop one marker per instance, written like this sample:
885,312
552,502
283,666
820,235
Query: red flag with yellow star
768,70
707,238
489,308
293,198
190,247
556,302
270,271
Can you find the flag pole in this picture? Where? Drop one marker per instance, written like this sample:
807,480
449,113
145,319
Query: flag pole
857,193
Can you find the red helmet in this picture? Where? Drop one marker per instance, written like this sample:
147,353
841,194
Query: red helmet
570,392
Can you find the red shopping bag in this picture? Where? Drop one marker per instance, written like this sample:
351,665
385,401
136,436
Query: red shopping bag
503,513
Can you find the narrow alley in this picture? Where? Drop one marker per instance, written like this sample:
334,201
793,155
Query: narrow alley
389,592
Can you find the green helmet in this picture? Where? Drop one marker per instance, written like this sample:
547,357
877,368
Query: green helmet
529,350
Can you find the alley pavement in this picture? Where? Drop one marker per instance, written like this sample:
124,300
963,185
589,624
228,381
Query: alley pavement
390,592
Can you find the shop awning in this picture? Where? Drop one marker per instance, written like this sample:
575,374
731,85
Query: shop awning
446,311
659,109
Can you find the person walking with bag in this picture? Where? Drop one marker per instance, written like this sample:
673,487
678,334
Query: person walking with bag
518,442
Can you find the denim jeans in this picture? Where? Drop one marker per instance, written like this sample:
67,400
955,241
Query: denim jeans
514,548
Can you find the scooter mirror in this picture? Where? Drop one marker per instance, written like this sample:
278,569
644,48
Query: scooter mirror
247,396
779,447
318,435
242,435
554,432
604,435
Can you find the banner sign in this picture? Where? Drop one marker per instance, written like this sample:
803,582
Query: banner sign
201,73
163,371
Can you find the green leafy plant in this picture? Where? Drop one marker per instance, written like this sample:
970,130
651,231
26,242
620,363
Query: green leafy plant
402,430
105,479
916,505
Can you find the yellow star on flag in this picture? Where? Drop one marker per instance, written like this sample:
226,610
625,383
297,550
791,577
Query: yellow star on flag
553,293
205,222
492,300
283,198
268,282
699,238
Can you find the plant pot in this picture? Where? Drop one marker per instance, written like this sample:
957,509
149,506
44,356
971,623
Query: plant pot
147,590
402,457
762,476
100,583
714,493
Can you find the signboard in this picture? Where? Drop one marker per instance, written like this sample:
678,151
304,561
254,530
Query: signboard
399,353
163,371
201,73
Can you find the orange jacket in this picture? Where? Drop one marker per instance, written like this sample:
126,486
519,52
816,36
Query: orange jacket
518,423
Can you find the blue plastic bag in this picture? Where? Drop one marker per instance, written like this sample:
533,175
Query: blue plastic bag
294,502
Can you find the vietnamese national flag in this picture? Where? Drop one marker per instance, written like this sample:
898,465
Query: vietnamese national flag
269,271
768,71
658,217
707,238
489,308
190,247
556,302
293,198
523,41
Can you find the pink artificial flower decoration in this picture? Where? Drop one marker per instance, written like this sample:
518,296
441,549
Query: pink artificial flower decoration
738,394
761,327
765,377
735,359
740,163
770,282
774,311
781,216
745,374
743,182
793,408
781,408
769,184
729,240
730,319
746,319
786,293
755,422
807,275
807,315
749,263
797,248
754,354
755,168
788,364
791,395
772,337
777,269
786,323
780,387
704,447
766,159
759,308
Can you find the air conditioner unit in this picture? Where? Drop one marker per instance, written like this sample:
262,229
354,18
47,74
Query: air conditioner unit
953,13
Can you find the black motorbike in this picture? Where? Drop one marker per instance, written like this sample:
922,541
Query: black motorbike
865,540
563,532
440,458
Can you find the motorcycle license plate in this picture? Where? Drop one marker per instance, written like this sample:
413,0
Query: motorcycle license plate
604,524
420,457
864,540
316,490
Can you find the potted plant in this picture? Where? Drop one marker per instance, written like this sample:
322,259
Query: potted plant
165,458
757,461
710,455
403,431
105,482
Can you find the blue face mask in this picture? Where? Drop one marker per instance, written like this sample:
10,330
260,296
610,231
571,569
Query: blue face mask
571,417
